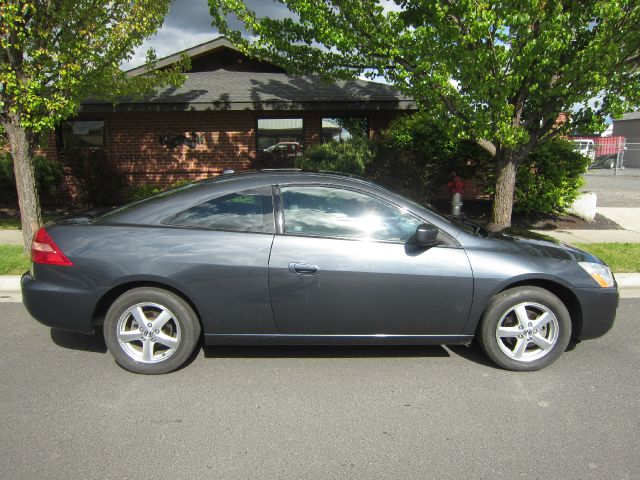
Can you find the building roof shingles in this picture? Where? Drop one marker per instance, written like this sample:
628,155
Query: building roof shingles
231,90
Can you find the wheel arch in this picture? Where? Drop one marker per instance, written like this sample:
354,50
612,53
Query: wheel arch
107,299
566,296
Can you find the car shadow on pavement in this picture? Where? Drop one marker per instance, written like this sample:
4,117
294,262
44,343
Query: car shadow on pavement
322,351
473,353
78,341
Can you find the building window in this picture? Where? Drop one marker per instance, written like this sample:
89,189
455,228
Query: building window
340,129
279,141
83,135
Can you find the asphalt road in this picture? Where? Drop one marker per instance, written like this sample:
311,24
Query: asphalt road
68,411
614,190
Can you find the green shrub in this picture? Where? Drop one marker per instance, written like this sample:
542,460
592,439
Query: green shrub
550,178
48,175
419,154
140,192
351,156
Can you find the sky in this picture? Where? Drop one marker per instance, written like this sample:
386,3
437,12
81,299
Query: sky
189,23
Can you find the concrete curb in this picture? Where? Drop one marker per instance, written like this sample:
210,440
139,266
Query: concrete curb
628,280
11,283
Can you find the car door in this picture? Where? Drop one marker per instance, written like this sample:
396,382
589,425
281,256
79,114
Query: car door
343,265
220,253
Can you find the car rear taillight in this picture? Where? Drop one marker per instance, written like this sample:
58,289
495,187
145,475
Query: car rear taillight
44,250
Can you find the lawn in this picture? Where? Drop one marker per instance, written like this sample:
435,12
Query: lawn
13,260
621,257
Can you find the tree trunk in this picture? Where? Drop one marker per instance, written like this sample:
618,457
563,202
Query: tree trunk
507,162
21,151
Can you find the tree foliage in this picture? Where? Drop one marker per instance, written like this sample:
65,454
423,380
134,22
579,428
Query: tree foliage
497,72
54,53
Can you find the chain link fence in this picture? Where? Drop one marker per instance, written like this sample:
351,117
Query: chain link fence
614,153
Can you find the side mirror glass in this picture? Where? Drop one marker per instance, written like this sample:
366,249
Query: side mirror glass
426,235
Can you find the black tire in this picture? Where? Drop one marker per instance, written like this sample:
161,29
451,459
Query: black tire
531,347
152,353
610,163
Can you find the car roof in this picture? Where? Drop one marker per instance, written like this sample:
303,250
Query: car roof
277,175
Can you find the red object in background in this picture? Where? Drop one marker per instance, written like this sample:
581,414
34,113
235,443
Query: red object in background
604,145
457,185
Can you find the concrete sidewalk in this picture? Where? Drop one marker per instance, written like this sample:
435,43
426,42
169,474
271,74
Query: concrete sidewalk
592,236
627,218
10,237
11,283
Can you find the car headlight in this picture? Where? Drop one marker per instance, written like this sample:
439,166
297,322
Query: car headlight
600,273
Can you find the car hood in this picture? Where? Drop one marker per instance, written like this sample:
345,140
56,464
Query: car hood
536,245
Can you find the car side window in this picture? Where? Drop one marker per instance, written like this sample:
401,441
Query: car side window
336,212
244,211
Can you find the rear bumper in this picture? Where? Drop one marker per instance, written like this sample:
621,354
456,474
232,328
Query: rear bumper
59,307
599,307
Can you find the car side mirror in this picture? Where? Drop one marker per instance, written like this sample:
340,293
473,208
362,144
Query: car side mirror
426,235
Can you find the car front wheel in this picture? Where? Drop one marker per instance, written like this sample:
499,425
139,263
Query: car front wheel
525,328
151,331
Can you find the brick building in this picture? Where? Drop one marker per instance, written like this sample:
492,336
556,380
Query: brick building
232,112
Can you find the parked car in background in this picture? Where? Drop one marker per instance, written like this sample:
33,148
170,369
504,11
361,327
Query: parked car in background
281,155
291,257
585,147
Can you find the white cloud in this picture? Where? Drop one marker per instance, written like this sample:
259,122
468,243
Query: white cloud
168,41
390,6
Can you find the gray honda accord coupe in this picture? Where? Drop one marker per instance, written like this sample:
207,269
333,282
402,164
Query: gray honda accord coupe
308,258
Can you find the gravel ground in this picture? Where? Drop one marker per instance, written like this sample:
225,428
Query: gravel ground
615,190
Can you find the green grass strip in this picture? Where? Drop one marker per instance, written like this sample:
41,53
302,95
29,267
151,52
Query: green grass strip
13,261
621,257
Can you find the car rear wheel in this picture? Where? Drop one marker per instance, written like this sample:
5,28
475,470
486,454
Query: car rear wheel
525,328
151,331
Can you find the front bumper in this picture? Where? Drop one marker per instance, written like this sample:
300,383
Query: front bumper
599,307
55,306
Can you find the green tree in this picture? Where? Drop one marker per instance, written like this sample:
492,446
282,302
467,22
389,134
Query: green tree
54,53
498,73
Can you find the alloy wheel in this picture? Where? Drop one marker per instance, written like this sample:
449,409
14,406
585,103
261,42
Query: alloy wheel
527,331
148,332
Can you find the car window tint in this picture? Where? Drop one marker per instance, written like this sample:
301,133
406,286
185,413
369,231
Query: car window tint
335,212
245,211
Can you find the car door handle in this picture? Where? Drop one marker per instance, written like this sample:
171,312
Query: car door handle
303,268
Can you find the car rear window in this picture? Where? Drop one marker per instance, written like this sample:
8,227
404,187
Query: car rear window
244,211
